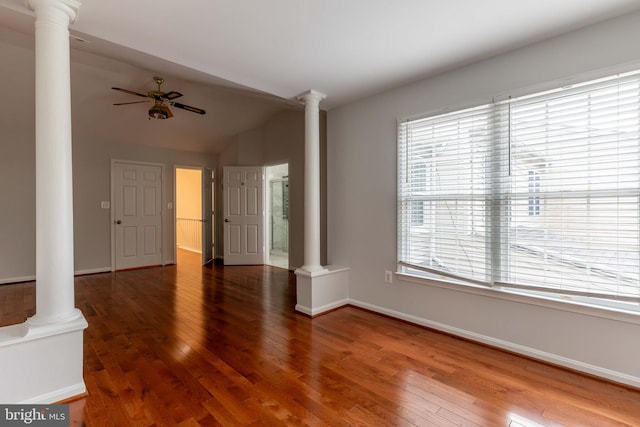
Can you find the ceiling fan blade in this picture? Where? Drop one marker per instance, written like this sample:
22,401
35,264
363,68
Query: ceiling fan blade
171,95
134,102
130,92
188,108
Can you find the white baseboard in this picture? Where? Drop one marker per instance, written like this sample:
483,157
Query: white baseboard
21,279
17,279
57,395
194,250
304,309
322,309
555,359
92,271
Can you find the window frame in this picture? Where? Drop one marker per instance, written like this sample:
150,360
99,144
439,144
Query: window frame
432,276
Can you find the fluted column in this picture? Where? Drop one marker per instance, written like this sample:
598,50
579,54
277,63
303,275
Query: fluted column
54,189
312,100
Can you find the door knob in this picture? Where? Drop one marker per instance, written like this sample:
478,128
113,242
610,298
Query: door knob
226,220
118,222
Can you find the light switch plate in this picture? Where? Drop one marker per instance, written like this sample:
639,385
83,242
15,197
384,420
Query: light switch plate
105,205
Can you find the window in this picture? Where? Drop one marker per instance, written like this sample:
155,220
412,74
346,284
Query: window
540,193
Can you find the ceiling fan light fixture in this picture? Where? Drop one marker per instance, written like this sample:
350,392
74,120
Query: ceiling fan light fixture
159,112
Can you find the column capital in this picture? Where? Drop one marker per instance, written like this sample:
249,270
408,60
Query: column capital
70,7
311,97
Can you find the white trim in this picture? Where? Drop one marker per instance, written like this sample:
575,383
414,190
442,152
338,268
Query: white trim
92,271
304,309
17,279
195,251
322,309
77,389
21,279
506,345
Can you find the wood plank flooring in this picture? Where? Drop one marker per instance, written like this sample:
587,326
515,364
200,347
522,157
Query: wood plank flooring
222,346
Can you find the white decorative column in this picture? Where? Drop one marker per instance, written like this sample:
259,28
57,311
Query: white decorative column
54,189
41,359
318,289
312,100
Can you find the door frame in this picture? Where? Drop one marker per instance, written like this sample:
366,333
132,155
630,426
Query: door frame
112,218
208,183
203,171
268,238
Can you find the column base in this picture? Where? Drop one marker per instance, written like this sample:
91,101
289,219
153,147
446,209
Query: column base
37,321
41,364
312,270
323,290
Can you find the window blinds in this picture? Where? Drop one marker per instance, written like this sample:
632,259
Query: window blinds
540,192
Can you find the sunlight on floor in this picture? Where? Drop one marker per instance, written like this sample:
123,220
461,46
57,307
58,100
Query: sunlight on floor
520,421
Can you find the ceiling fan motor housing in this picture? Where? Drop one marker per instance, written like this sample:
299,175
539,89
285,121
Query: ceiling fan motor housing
158,112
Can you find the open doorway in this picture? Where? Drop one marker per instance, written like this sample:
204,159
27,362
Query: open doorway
188,211
277,209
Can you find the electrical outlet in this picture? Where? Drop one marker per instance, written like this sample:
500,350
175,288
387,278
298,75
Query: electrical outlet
388,276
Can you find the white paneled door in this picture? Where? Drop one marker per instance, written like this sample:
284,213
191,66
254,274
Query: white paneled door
243,215
137,207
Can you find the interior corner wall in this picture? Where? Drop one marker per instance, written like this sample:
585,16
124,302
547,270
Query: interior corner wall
362,205
279,140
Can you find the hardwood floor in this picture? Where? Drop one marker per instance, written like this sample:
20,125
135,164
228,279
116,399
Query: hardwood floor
190,346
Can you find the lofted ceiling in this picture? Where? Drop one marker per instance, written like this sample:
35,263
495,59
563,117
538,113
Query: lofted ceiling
244,61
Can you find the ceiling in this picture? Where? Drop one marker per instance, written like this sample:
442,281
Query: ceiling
244,61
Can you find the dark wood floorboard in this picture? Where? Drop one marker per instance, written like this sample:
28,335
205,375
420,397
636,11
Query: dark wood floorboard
195,346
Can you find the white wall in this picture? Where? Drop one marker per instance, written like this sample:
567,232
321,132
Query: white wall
362,207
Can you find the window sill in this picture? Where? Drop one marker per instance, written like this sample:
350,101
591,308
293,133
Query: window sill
579,307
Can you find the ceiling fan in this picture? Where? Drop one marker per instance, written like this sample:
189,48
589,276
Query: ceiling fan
161,101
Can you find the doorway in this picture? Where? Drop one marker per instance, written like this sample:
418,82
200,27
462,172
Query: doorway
194,214
188,210
277,210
